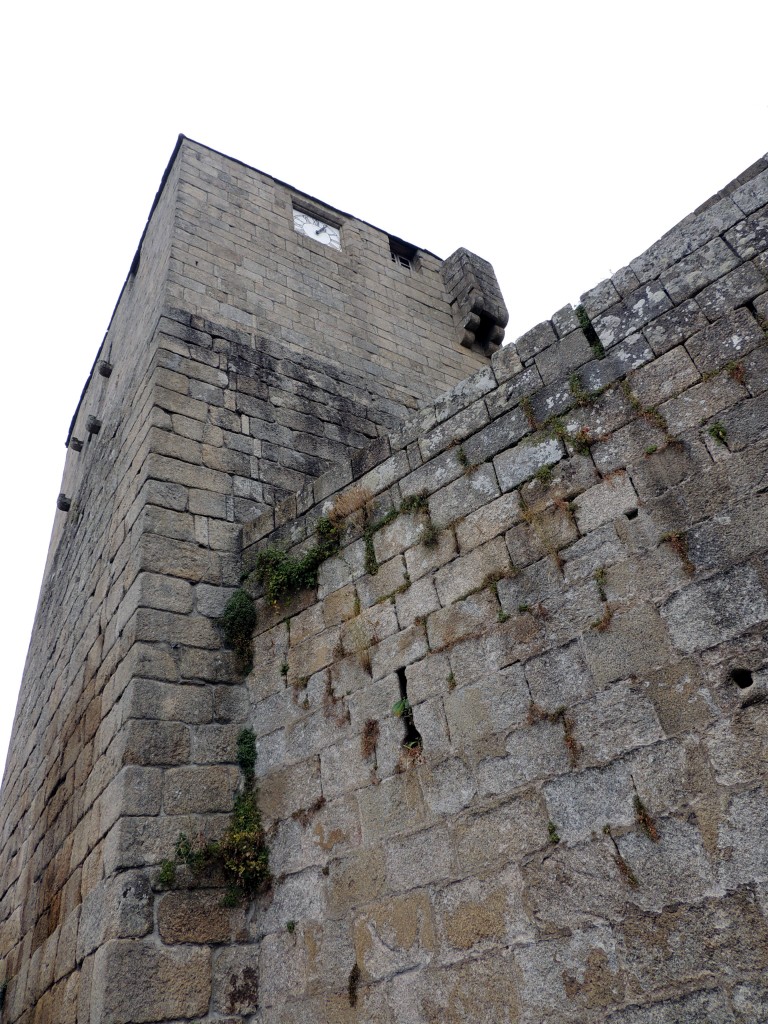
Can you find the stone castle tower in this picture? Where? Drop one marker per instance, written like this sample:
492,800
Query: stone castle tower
494,618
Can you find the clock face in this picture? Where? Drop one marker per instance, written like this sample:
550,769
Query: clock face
317,229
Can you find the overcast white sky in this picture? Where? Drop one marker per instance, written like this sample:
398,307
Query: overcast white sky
558,140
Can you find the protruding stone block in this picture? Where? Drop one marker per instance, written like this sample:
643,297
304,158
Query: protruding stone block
479,312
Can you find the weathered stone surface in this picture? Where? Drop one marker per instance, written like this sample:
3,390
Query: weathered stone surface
750,237
197,917
396,935
753,194
565,320
699,403
558,677
635,642
488,521
638,309
473,571
664,377
163,983
489,839
736,288
707,613
604,502
236,980
557,361
476,711
674,327
482,989
501,434
582,969
573,802
534,753
725,341
533,341
696,271
475,488
520,463
599,298
466,618
696,940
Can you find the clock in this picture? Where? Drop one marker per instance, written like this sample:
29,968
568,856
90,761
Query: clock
310,226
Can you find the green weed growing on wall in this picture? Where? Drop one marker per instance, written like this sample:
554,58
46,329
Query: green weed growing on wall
283,575
238,621
242,854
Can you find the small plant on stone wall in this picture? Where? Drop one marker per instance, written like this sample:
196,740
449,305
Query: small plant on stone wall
581,396
552,833
718,432
601,578
241,855
369,738
413,504
401,707
238,621
538,714
625,870
283,575
581,441
679,544
527,409
167,876
645,821
429,535
356,499
602,624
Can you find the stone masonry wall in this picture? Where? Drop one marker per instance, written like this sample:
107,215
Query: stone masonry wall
583,835
580,833
237,260
194,428
64,750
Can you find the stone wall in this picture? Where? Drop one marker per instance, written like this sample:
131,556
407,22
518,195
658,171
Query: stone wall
580,833
561,563
185,429
238,260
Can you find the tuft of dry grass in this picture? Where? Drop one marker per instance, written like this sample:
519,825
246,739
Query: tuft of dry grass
369,738
349,502
645,821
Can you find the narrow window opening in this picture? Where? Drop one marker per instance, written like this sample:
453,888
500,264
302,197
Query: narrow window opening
742,677
411,737
401,253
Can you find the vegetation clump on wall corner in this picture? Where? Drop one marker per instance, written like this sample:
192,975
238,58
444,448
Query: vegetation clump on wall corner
238,621
242,854
283,575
